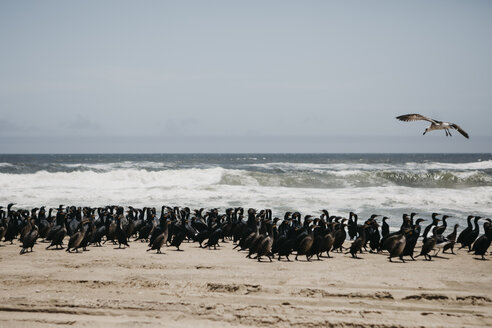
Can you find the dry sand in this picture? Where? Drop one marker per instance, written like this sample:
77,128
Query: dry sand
205,288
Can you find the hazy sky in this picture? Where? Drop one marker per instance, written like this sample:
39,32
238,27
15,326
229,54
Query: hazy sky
243,76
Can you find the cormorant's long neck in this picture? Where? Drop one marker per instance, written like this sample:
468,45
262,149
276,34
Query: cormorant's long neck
9,209
257,231
427,229
477,227
417,229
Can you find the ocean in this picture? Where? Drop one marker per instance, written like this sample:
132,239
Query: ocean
385,184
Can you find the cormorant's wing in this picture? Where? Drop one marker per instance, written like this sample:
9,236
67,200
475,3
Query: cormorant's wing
414,117
460,130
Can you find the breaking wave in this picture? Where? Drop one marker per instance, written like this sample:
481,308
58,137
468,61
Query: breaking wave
253,181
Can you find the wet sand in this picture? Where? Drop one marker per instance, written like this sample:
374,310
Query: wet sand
107,287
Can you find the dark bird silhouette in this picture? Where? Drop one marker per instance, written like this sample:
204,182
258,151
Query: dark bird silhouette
160,240
395,245
179,235
428,245
483,242
76,239
265,246
451,240
59,231
352,225
356,246
121,234
306,244
29,240
412,237
385,230
470,237
340,236
213,239
442,228
469,227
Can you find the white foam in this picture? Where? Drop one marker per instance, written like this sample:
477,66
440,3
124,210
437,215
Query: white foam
206,188
479,165
119,165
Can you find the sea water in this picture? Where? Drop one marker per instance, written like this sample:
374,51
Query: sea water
387,184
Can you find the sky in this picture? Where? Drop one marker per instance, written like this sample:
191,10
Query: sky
243,76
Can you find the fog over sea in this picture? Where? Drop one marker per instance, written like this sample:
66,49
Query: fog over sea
386,184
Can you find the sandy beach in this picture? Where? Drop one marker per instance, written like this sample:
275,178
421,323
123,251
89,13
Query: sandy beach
221,288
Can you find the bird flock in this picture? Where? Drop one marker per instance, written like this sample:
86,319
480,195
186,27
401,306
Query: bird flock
253,231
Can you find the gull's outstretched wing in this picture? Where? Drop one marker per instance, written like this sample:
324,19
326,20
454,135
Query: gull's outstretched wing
415,117
460,130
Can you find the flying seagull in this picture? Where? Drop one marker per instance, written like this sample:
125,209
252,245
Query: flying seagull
435,124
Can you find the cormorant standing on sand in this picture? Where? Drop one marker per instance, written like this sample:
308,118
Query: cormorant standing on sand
120,233
285,242
265,247
306,244
59,231
465,231
411,239
29,240
76,239
395,245
352,225
160,240
428,245
179,234
470,237
483,242
451,240
359,242
340,236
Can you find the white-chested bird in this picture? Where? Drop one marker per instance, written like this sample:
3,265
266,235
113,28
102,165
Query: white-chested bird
435,124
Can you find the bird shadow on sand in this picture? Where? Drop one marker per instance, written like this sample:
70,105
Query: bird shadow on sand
441,257
304,260
480,259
